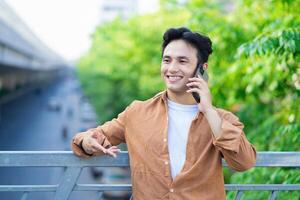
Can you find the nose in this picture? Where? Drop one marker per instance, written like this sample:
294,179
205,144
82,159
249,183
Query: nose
173,67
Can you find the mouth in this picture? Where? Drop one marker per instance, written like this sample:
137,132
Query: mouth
174,78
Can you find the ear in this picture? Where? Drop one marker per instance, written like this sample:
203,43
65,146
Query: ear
205,66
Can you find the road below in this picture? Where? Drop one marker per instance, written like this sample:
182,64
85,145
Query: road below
42,120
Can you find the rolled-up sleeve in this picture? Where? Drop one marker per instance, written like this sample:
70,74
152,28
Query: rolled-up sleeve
109,134
237,151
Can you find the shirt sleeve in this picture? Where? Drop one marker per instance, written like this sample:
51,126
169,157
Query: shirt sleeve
237,151
109,134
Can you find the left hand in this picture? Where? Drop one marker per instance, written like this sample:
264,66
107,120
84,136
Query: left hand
200,86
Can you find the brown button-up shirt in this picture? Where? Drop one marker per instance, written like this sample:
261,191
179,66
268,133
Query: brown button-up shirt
143,126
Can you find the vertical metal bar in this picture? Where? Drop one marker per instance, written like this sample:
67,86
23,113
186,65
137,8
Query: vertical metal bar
99,196
273,195
238,195
24,196
67,183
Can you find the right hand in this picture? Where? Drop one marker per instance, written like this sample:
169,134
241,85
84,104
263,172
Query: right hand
91,145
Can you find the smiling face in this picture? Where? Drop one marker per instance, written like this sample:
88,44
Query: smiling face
178,65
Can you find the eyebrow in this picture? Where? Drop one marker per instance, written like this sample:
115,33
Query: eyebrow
182,57
179,57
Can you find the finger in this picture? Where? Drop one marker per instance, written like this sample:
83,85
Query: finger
97,147
197,90
194,78
113,151
113,147
197,84
197,79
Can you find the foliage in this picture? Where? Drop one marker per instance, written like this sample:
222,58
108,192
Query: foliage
123,62
254,70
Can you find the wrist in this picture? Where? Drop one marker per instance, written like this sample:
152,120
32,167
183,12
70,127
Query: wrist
208,109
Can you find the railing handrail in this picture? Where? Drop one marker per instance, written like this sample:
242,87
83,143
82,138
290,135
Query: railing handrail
67,158
75,164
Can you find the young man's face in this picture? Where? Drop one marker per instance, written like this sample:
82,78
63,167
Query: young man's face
178,65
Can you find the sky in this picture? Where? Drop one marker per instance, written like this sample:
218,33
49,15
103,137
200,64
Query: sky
65,26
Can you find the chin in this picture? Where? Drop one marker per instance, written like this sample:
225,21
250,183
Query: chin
175,89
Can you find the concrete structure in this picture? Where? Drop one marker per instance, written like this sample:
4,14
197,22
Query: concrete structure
117,8
24,59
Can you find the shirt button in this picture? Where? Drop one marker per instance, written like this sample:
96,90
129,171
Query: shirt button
171,190
165,139
166,162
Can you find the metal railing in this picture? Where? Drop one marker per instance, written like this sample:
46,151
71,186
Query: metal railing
74,165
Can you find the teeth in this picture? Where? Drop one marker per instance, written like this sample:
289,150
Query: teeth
174,78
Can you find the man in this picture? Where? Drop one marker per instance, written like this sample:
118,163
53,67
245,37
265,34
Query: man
175,144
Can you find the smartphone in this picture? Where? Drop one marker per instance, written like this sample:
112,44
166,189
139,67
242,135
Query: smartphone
199,71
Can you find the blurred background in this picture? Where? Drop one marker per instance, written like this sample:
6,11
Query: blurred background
66,66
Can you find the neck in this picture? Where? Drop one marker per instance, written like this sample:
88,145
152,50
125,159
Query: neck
181,97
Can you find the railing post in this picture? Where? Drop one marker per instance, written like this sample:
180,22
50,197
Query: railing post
24,196
238,195
273,195
67,183
99,196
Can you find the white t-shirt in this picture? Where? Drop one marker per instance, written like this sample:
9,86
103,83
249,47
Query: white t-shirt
180,118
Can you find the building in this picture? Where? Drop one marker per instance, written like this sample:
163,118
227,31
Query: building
111,9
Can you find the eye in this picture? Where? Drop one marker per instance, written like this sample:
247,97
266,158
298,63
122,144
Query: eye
182,61
166,60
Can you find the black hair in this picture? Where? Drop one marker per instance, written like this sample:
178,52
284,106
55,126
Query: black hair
201,42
